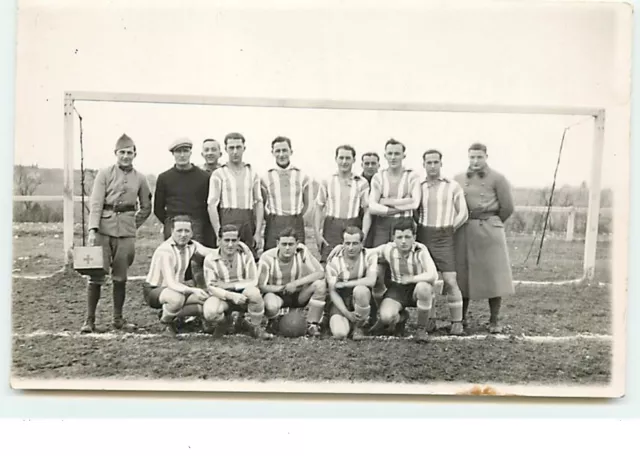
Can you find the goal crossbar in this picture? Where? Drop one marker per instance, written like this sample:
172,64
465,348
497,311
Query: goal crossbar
598,113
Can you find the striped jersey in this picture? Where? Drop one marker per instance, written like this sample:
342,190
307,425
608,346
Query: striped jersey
233,190
284,189
240,267
340,270
177,258
416,262
409,181
273,271
343,198
443,204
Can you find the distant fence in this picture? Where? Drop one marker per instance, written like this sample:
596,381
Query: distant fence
569,226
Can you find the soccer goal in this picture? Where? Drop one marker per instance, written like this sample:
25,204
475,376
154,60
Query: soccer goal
594,180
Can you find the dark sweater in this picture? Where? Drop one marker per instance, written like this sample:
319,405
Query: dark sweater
181,192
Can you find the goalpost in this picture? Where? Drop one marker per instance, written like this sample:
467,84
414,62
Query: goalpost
595,182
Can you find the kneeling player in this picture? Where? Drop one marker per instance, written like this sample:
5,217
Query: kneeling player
165,286
231,277
290,277
351,274
413,275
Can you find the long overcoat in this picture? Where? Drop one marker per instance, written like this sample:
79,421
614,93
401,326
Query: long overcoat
482,259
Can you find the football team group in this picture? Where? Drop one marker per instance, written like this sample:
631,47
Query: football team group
234,257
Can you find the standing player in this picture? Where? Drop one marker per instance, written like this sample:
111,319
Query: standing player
395,194
183,190
339,203
290,277
482,257
286,194
166,285
234,194
443,210
351,275
231,275
211,154
113,223
413,275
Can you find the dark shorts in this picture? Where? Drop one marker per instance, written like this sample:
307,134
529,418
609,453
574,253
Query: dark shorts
383,229
291,301
347,297
151,295
401,293
332,232
439,242
118,254
277,223
244,219
368,242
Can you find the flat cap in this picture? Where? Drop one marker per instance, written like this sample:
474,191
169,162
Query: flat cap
180,142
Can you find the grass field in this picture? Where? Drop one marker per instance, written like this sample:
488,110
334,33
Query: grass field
47,314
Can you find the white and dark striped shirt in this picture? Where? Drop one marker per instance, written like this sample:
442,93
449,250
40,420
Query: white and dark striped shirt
417,262
178,260
443,204
339,270
404,188
272,271
241,267
284,190
234,190
341,198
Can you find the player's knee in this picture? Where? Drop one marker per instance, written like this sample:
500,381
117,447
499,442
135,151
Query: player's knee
362,294
172,299
212,310
339,327
272,304
253,294
319,289
388,314
424,291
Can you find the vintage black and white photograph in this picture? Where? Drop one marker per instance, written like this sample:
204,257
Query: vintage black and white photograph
364,200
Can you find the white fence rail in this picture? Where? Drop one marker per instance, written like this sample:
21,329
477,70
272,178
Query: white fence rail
570,228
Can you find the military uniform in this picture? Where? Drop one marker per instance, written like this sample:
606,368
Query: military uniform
481,255
120,203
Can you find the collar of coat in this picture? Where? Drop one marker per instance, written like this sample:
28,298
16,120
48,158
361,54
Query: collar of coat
480,173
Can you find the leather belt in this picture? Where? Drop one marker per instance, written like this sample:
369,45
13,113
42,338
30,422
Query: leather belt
123,208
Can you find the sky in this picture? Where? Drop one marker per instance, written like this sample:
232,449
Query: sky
528,55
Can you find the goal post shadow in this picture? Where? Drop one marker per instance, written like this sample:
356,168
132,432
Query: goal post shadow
595,182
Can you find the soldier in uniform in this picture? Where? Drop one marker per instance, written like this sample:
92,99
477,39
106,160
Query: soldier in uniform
113,223
481,255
